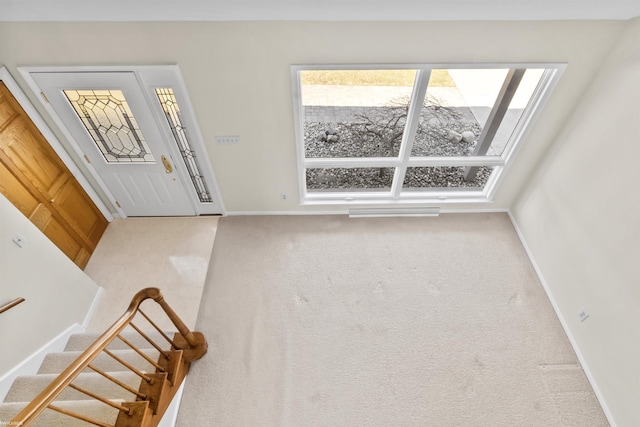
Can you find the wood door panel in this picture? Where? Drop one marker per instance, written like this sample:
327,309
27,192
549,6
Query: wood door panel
58,233
82,258
41,216
16,193
79,209
7,110
36,180
38,162
47,200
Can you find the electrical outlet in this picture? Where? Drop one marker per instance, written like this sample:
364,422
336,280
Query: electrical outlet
283,196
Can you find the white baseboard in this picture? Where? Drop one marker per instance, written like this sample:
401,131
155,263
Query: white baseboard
583,362
272,213
31,364
345,211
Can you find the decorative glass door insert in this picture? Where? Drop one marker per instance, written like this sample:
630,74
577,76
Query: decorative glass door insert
108,118
135,128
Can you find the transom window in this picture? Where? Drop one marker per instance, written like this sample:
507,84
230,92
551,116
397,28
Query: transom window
387,134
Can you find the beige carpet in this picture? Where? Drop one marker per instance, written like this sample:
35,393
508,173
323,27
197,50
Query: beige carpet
330,321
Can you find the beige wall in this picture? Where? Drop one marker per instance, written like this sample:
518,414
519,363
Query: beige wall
580,216
579,208
58,294
238,75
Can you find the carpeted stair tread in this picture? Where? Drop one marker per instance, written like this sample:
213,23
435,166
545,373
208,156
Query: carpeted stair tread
83,341
26,388
54,363
50,418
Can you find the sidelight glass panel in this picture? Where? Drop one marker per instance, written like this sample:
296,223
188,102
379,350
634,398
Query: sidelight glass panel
108,118
181,137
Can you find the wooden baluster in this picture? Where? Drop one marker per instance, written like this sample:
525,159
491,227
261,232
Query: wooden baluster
78,416
118,382
131,368
160,331
153,343
144,356
100,398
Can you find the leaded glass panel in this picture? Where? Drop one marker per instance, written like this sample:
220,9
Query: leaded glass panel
108,118
172,113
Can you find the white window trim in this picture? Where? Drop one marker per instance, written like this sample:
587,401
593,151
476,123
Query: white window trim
395,196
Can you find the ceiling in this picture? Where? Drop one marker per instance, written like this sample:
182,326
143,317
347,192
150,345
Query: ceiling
316,10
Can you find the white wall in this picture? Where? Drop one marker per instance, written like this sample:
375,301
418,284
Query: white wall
238,76
580,212
58,294
580,216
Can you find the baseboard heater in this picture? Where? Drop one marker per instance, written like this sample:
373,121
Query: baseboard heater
381,212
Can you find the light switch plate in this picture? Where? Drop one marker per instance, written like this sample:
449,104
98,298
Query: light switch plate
18,240
226,140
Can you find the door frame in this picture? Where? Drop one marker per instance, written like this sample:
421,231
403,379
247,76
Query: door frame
148,186
148,77
53,141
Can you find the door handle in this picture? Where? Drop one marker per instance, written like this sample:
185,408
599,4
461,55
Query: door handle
167,165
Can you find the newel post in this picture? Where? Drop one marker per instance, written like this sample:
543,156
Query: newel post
197,345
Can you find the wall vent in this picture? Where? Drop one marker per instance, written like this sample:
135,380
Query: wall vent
373,213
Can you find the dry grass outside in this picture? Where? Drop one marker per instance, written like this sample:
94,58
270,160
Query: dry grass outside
439,78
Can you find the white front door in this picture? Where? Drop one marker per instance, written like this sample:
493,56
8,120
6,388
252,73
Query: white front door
109,117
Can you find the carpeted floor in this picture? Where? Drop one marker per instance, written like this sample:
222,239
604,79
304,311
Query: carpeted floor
330,321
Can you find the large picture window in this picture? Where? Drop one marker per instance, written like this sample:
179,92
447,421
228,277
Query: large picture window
423,133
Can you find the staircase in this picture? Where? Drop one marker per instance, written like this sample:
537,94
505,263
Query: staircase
123,377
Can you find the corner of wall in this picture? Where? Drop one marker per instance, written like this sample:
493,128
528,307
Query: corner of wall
93,307
563,322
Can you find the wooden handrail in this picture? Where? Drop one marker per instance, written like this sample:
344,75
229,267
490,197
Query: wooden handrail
11,304
196,346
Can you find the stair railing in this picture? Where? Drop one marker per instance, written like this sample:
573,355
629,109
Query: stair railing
11,304
186,346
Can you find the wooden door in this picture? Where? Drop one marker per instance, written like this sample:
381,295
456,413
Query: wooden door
37,182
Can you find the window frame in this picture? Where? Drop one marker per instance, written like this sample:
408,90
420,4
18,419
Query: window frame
400,163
